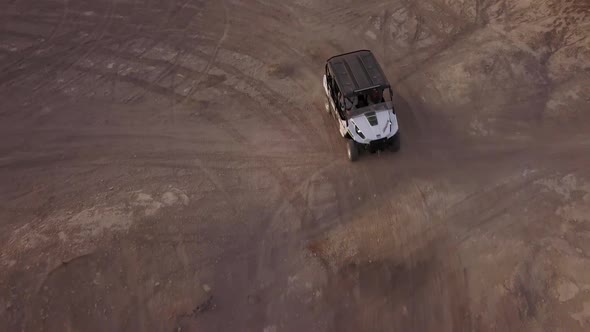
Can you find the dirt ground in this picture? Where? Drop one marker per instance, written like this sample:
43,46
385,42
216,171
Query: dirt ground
166,166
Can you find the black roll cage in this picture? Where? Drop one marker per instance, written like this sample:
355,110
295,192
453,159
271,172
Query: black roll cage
345,112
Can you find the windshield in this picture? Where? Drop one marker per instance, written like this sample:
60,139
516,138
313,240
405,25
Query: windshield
384,106
372,97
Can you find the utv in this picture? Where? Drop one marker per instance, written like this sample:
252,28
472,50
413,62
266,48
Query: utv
359,97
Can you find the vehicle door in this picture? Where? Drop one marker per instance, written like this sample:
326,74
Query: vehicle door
331,90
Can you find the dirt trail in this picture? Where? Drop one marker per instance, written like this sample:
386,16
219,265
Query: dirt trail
166,165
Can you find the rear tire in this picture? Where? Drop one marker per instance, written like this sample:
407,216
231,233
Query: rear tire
352,149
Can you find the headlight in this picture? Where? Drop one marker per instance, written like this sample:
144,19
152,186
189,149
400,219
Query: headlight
359,132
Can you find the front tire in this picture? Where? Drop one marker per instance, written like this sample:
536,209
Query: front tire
352,149
397,143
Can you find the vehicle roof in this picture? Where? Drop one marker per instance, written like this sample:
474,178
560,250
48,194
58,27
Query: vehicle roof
357,71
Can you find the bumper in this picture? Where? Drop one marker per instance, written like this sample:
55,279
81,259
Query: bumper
382,144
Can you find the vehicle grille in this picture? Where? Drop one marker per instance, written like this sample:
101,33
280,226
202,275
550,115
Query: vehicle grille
378,144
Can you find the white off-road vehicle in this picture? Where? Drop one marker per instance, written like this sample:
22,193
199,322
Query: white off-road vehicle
359,97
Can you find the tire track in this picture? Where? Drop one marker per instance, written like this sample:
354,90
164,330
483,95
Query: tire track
115,76
121,37
169,66
104,26
299,115
175,63
27,53
287,119
64,56
268,95
297,198
66,62
172,65
213,57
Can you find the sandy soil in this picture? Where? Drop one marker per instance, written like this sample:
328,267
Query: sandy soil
166,166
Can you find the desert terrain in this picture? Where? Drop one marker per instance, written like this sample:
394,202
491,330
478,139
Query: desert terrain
167,166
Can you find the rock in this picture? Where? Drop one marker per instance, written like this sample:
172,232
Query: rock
206,288
271,328
567,290
169,198
157,284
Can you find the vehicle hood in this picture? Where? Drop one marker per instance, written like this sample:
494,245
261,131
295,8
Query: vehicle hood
376,124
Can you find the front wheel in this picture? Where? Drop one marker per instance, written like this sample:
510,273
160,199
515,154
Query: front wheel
352,149
397,143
